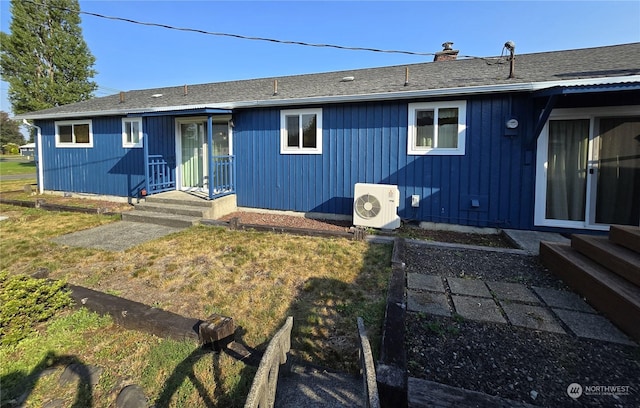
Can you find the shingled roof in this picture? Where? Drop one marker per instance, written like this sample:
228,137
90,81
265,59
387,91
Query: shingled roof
590,66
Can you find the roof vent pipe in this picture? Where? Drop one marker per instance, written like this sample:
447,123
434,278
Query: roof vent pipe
121,97
186,90
275,87
406,76
511,47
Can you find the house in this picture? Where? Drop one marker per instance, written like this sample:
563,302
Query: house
28,149
546,141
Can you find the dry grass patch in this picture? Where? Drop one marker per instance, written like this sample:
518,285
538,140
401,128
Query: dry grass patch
256,278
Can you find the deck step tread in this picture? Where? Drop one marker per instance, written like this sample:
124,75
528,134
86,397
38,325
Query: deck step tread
612,256
626,236
614,296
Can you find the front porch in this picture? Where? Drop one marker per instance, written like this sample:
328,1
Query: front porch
190,151
161,177
181,209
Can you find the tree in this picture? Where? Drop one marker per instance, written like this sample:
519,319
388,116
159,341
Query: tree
9,131
45,59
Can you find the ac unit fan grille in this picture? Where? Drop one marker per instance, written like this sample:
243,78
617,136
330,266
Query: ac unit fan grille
367,206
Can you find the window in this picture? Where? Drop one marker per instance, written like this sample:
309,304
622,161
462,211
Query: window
74,134
437,128
301,131
132,132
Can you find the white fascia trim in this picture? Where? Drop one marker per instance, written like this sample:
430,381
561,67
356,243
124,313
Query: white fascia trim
424,93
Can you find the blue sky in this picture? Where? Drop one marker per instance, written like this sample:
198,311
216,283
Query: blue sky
131,56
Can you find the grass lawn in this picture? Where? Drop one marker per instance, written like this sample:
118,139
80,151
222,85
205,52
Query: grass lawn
256,278
16,165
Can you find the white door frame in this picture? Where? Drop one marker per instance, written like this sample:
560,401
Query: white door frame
593,114
178,142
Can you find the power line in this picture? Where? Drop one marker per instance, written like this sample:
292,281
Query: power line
245,37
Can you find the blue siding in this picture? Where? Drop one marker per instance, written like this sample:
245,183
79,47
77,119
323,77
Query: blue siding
368,143
107,168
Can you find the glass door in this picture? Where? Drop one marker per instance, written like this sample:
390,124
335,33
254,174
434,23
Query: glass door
567,156
588,173
193,148
617,198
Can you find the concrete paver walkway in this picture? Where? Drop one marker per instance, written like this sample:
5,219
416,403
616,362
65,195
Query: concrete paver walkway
535,308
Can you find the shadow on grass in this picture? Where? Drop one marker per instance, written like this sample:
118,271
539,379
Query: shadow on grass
18,385
235,348
325,334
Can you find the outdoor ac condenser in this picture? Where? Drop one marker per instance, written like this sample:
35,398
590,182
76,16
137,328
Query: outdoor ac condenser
376,206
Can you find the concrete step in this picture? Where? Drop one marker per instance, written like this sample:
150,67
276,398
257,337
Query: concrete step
170,220
617,298
626,236
620,260
192,211
314,387
179,198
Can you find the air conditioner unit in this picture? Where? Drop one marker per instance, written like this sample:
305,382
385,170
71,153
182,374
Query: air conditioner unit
376,206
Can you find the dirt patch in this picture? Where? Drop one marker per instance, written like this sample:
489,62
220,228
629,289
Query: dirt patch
405,231
288,221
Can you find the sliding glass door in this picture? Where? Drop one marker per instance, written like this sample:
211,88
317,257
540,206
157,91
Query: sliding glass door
588,172
618,184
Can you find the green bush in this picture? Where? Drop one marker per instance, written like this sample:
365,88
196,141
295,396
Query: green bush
26,301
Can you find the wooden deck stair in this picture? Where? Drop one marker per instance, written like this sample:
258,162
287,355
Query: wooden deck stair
604,270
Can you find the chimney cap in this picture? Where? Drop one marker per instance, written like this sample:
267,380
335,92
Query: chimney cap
446,46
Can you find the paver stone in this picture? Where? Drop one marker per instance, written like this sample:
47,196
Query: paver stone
532,317
470,287
592,326
425,282
512,291
479,309
428,302
563,299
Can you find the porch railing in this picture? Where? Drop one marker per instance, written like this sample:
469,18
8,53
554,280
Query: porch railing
161,176
222,176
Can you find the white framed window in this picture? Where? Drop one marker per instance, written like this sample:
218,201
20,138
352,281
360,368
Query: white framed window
301,131
132,132
74,133
437,128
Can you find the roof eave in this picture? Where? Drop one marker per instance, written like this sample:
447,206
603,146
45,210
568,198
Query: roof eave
423,93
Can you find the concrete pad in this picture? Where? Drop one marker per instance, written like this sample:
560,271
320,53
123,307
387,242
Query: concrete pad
563,299
425,282
530,240
428,302
532,317
484,310
512,291
117,236
471,287
592,326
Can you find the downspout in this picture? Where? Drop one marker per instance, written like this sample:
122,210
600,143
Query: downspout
40,155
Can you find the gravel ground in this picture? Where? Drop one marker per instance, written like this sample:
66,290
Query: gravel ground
516,363
287,221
